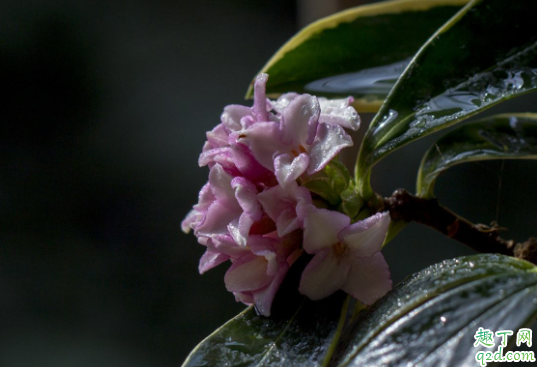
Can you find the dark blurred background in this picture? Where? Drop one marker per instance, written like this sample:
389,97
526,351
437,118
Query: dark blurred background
104,112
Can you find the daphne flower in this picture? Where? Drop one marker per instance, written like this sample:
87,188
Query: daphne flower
253,212
297,144
237,158
195,216
340,112
303,135
220,248
347,256
333,111
234,207
256,277
286,206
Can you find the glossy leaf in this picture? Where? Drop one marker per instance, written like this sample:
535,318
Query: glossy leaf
300,332
497,137
338,175
360,51
321,186
330,183
351,201
431,319
484,55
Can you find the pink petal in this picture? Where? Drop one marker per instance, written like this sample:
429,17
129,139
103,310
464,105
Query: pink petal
203,240
365,237
191,220
368,279
246,195
218,137
328,143
294,256
301,194
282,102
220,182
274,249
216,220
325,274
207,146
205,197
226,245
248,273
197,214
299,121
248,121
249,167
275,200
287,245
281,204
240,228
226,161
232,115
287,222
288,170
260,100
263,139
321,227
339,112
263,226
212,155
245,297
211,259
263,298
262,246
266,247
304,204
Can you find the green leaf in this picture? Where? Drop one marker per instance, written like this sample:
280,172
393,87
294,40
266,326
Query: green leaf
299,332
303,339
486,54
330,183
498,137
322,187
431,318
338,175
351,201
360,51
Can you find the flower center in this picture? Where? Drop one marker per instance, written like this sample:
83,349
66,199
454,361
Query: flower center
301,149
340,249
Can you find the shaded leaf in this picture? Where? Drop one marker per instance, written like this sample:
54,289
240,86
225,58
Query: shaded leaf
359,52
330,183
339,175
484,55
498,137
351,201
322,187
431,318
300,332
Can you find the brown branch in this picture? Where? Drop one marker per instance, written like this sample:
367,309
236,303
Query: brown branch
407,207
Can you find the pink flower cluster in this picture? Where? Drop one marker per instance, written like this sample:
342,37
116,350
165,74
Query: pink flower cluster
255,213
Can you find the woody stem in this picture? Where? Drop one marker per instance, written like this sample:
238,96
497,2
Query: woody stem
406,207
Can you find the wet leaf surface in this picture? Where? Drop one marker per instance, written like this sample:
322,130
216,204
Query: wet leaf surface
359,52
431,318
469,65
499,137
300,332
